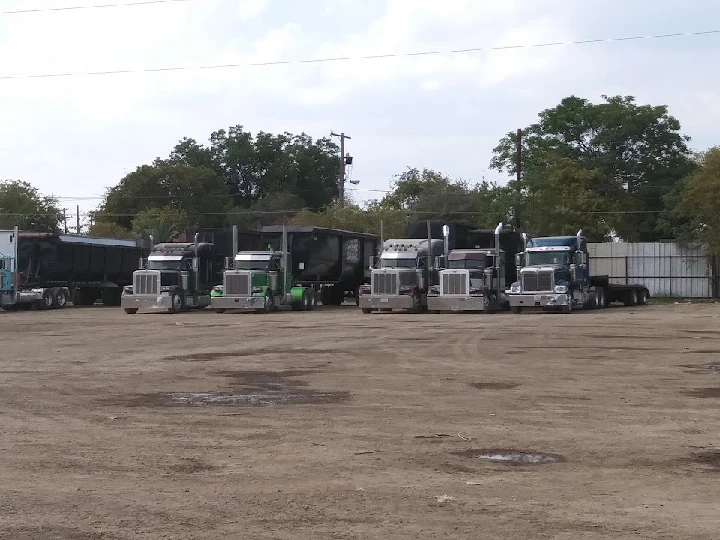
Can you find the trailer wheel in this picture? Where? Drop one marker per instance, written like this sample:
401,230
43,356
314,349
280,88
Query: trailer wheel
131,310
177,302
307,300
516,310
643,297
59,298
601,298
46,302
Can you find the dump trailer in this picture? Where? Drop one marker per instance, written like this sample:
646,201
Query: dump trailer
333,262
48,271
262,281
555,273
471,280
175,277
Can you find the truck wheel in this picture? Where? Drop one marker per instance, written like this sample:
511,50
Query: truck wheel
59,298
177,302
307,300
516,310
131,310
269,302
417,306
366,310
632,298
46,302
643,297
567,308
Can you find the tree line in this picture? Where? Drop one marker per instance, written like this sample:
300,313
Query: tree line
613,168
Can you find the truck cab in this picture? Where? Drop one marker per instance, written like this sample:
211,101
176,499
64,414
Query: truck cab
471,280
261,281
553,273
404,274
175,277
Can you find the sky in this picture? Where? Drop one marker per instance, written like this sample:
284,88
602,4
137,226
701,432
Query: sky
73,137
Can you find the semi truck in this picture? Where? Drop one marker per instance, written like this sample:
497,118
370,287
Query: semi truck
262,281
177,276
51,271
555,273
470,279
405,272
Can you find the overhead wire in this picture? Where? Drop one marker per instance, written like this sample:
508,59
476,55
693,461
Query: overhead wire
95,6
355,58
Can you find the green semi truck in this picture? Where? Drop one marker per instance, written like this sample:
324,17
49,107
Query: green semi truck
260,281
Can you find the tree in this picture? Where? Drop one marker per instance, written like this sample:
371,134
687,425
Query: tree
162,223
109,229
21,204
638,148
698,204
197,191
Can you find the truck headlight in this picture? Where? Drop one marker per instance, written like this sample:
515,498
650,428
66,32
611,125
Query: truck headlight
561,289
515,287
128,289
257,290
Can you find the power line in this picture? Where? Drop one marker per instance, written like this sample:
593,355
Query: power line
97,6
351,58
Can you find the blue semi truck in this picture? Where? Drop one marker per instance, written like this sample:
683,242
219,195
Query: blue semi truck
555,273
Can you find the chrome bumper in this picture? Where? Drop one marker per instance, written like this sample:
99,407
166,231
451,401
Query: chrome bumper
237,302
541,300
456,303
146,301
369,301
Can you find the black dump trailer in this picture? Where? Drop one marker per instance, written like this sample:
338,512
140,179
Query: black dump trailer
511,242
81,269
459,232
332,261
223,241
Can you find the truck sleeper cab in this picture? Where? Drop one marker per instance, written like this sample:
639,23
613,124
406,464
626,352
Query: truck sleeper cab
404,275
176,277
258,281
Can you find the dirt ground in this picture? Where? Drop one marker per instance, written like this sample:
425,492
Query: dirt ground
336,424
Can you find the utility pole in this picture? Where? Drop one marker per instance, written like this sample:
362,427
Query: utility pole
518,170
343,162
78,218
65,218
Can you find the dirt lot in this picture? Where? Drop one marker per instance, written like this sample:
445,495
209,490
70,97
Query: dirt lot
336,424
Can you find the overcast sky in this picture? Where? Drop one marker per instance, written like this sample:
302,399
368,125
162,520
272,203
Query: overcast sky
75,136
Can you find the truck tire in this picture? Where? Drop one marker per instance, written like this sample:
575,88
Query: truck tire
643,297
60,298
516,310
111,296
46,302
131,310
177,303
632,298
417,303
268,303
600,298
308,301
567,309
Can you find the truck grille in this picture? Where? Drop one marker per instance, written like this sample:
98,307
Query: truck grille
146,283
536,282
236,285
454,283
384,283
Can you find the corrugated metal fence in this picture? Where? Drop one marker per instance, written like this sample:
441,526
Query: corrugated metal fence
666,268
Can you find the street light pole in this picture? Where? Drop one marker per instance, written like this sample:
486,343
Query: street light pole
341,180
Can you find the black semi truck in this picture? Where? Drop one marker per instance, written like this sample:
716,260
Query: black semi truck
50,270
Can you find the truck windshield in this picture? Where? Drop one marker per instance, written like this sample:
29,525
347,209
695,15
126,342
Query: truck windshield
473,264
252,265
539,258
398,263
169,265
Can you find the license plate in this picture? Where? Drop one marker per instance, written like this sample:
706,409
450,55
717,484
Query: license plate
384,300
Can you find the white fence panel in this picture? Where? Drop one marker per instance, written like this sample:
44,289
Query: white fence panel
666,268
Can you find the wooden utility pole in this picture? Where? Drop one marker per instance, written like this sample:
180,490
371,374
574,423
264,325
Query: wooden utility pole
78,218
518,171
65,219
341,180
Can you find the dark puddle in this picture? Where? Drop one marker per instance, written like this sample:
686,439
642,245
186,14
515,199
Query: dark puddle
243,353
711,460
703,393
712,368
249,389
494,385
511,456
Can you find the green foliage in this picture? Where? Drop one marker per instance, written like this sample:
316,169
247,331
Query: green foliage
638,148
699,202
162,223
109,229
197,191
21,204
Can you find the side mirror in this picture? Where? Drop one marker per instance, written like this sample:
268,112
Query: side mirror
229,263
372,262
519,260
440,261
579,258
